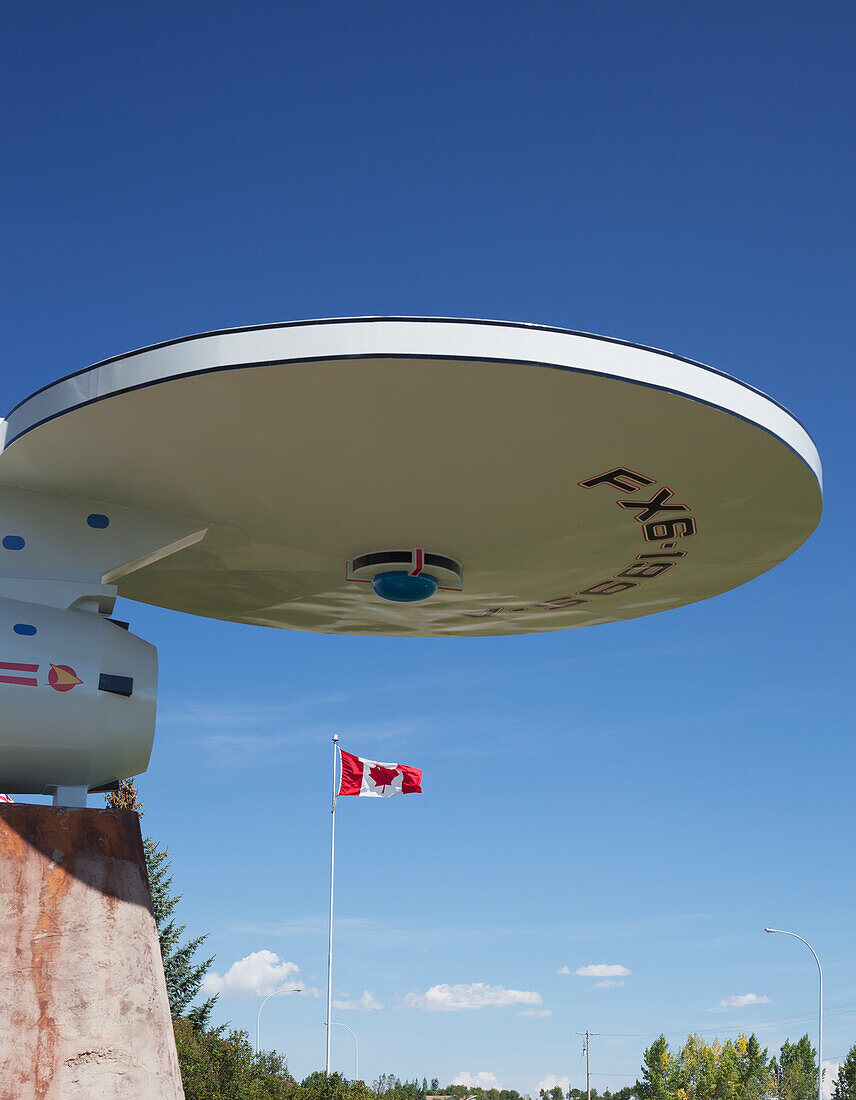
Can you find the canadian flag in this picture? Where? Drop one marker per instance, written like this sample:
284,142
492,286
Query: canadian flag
376,780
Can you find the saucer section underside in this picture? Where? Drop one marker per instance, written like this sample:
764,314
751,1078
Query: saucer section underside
298,467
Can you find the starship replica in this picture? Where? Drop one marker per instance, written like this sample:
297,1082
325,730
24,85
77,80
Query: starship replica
374,476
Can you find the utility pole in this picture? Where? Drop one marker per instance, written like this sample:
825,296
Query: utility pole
588,1034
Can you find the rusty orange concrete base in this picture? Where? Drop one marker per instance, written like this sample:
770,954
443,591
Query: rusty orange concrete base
83,1004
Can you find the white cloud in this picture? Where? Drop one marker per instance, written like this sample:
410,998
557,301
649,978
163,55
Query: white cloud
481,1080
550,1083
455,998
830,1073
255,975
740,1000
536,1013
367,1003
603,970
564,970
609,983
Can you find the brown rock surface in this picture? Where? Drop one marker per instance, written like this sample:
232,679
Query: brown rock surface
84,1013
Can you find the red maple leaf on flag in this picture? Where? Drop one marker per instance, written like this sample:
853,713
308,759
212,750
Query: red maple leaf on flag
382,777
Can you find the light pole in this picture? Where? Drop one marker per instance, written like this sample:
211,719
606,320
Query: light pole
278,993
782,932
356,1048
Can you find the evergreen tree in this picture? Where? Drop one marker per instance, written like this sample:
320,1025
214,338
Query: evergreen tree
184,975
796,1071
753,1068
845,1082
658,1072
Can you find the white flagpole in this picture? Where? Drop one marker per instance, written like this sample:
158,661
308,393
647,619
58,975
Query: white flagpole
330,939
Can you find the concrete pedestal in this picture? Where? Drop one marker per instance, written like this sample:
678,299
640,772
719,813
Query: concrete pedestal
84,1013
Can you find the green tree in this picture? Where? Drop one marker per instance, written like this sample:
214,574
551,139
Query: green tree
658,1072
734,1070
795,1071
845,1083
698,1068
318,1086
184,974
753,1069
217,1067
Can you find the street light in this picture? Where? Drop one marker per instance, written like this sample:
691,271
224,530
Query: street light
782,932
356,1048
278,993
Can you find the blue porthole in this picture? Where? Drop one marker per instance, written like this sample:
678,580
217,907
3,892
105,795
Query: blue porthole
97,520
400,587
13,542
27,629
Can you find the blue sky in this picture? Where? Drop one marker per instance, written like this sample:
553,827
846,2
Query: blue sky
675,175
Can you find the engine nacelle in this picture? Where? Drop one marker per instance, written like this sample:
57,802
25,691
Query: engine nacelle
78,695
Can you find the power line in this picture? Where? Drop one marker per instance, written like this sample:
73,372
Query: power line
836,1010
